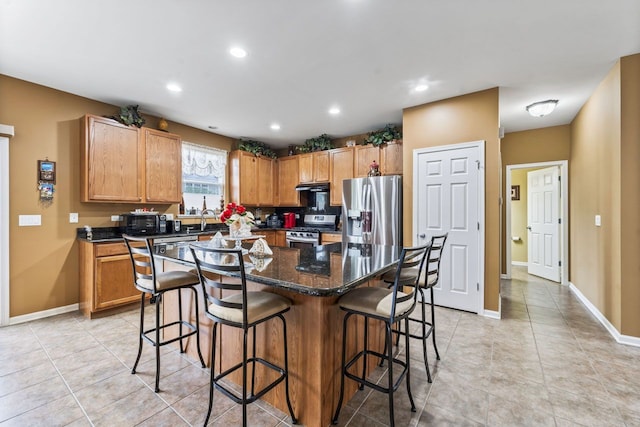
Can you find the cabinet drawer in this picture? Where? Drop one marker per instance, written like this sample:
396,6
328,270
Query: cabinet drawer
116,248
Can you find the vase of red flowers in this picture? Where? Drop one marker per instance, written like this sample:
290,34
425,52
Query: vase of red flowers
239,220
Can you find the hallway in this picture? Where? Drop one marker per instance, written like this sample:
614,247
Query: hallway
547,362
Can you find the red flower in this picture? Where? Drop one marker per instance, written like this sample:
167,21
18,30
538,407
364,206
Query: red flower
240,209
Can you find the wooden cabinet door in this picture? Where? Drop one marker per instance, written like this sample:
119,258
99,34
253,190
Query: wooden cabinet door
243,172
114,282
364,156
326,238
391,159
265,181
269,236
288,175
341,167
163,167
306,169
321,166
281,238
111,161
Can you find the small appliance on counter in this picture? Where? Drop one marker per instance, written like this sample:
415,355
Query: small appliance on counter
289,220
144,223
273,221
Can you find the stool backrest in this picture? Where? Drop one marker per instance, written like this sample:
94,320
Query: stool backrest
142,262
410,260
432,273
224,263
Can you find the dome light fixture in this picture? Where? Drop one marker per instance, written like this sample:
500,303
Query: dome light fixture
238,52
542,108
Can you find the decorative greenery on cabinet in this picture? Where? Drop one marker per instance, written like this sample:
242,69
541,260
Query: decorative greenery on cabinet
257,148
319,143
387,134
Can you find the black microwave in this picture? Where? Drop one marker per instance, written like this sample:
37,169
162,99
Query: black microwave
141,224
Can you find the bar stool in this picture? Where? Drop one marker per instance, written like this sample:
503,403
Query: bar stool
388,305
244,310
427,281
148,281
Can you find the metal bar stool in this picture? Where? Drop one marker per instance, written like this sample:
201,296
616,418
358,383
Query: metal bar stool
388,305
427,281
148,281
244,310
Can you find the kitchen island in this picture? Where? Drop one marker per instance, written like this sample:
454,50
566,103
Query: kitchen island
313,279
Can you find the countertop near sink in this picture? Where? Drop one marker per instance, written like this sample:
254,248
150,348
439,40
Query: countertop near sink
114,234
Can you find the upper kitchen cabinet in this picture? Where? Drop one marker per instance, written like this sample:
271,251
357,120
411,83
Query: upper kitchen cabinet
251,180
391,159
123,164
288,176
163,166
111,161
314,167
341,162
364,156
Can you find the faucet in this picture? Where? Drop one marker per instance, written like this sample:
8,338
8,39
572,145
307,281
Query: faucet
203,221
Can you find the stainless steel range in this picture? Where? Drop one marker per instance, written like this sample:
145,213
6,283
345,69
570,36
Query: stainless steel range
309,234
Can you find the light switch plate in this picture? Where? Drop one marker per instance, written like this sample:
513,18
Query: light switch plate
116,218
598,221
73,218
29,220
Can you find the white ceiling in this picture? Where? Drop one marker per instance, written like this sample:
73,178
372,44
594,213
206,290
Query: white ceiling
364,56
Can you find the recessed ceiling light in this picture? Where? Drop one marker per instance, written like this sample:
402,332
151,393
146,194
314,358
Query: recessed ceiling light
275,126
334,111
238,52
421,88
174,87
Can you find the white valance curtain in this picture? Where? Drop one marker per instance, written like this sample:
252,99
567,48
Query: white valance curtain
203,161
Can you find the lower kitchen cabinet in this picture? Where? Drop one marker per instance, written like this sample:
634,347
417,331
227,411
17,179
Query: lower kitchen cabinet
281,238
326,238
106,279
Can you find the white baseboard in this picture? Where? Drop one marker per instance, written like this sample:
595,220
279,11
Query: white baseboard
42,314
494,314
621,339
520,263
504,276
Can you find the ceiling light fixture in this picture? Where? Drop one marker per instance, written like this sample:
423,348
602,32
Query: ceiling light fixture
542,108
421,88
174,87
334,111
275,126
238,52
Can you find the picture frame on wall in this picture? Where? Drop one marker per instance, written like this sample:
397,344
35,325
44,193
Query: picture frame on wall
47,171
515,192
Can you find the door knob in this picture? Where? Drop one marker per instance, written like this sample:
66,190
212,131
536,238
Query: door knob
529,228
422,236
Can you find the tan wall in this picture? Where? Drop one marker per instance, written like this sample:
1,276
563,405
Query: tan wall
532,146
630,194
465,118
594,186
44,260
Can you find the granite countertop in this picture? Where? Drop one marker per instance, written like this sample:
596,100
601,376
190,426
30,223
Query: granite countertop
326,270
114,234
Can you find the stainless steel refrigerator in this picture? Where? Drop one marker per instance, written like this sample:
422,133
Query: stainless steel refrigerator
372,210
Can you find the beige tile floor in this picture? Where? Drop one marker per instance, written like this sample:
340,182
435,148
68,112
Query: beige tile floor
547,362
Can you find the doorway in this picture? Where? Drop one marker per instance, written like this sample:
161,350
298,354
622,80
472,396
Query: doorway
6,132
563,253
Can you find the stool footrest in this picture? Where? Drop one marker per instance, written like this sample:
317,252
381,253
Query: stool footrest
239,399
427,333
360,380
192,331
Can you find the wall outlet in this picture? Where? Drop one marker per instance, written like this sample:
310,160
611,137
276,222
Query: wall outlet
29,220
169,217
73,218
598,221
116,218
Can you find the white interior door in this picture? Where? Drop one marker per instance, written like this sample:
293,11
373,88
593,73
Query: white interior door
543,219
447,200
